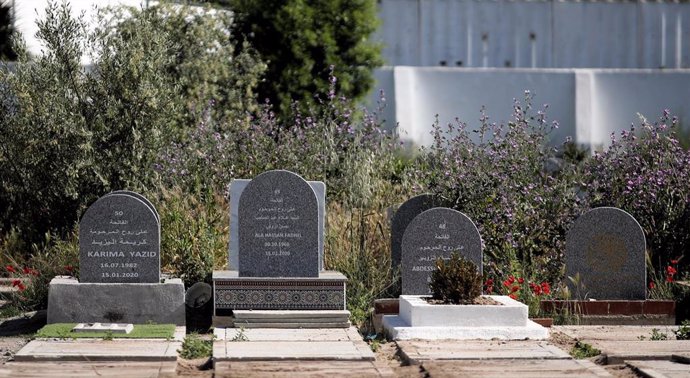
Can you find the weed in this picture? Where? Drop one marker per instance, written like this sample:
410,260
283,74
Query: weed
194,346
108,335
657,335
683,332
583,350
240,335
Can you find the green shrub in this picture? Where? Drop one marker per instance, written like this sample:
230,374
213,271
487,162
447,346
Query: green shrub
194,346
32,276
456,280
645,172
521,193
583,350
300,40
683,332
194,234
71,134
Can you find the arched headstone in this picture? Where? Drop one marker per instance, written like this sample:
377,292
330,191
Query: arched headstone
278,227
436,233
606,247
119,241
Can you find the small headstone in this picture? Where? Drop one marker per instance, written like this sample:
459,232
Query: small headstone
278,227
237,186
436,233
606,246
119,241
402,218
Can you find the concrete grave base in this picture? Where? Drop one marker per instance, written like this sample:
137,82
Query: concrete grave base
70,301
397,329
420,320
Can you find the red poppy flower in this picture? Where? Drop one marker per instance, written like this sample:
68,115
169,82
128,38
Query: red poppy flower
506,283
545,288
34,272
511,278
651,285
513,296
536,289
669,278
10,269
21,287
489,289
16,282
69,268
671,270
521,280
514,289
674,262
27,270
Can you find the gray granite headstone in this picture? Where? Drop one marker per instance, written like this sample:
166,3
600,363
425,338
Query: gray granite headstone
278,227
402,218
142,198
237,187
606,246
436,233
119,241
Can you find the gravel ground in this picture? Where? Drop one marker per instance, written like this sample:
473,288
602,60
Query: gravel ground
9,345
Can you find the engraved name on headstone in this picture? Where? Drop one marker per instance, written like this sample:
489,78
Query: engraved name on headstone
119,241
432,234
605,247
278,227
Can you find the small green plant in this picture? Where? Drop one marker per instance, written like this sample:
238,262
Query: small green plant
240,335
108,335
455,280
194,346
683,332
583,350
657,335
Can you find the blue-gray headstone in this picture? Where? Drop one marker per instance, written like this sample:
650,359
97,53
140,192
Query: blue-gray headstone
435,233
606,247
402,218
278,227
119,241
237,186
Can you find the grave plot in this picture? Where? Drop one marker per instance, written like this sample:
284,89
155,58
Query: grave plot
279,280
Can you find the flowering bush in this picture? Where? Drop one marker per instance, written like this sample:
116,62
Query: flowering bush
646,173
520,289
521,195
31,277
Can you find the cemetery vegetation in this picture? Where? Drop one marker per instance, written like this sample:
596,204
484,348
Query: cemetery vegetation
140,331
169,107
195,346
455,280
299,40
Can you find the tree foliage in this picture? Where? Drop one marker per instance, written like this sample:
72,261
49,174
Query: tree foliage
301,39
70,133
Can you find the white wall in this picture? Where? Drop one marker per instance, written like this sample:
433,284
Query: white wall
589,104
527,33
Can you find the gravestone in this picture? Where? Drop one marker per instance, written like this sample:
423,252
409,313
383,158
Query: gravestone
237,186
436,233
119,241
402,218
278,227
606,247
119,266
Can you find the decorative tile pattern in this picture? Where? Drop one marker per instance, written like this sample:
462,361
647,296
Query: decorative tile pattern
277,294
